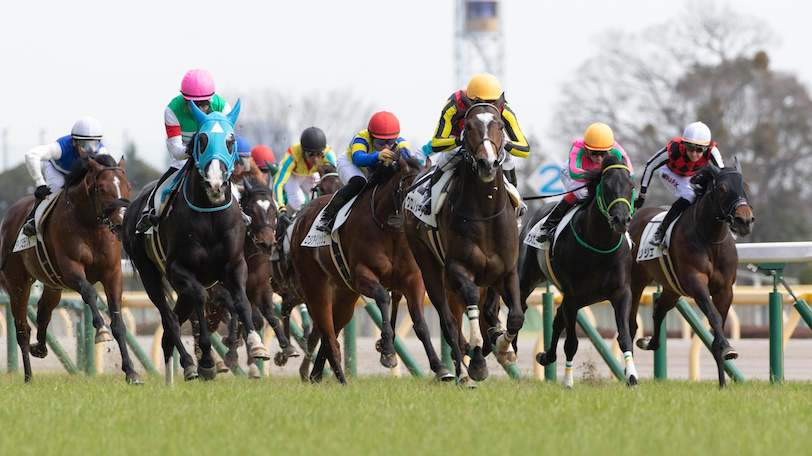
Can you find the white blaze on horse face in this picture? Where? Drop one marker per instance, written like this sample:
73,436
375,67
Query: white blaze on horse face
117,184
264,204
486,118
215,176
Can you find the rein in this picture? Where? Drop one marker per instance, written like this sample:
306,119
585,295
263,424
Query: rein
101,214
204,209
397,200
604,208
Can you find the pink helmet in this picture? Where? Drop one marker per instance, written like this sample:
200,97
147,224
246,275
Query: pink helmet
197,85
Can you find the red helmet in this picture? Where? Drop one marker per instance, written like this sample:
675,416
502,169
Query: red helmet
384,125
261,155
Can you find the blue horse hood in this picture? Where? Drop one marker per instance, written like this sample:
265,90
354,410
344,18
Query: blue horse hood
219,129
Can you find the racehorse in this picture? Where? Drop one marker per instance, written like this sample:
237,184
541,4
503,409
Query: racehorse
79,245
328,182
198,243
376,261
703,264
589,262
478,238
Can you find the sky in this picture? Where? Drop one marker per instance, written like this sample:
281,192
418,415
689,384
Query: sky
122,62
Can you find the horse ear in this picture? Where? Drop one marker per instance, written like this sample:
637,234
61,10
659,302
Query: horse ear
467,102
200,116
247,184
500,102
736,164
232,116
121,162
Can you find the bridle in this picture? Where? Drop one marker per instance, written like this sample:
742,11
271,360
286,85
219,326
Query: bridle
600,200
101,214
468,155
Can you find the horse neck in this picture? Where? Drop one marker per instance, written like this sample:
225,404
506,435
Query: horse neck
704,219
489,196
596,224
80,202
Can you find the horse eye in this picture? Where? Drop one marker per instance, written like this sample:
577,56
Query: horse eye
202,141
230,140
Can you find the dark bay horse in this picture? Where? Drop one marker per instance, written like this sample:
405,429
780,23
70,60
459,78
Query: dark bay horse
479,240
198,243
590,262
80,239
703,256
377,261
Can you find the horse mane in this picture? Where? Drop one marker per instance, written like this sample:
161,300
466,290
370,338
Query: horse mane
702,179
82,166
593,176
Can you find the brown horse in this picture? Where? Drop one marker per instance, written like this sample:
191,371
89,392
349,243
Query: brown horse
478,239
198,243
79,240
377,261
702,253
590,262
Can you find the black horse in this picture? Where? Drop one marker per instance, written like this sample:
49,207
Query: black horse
198,243
702,255
589,262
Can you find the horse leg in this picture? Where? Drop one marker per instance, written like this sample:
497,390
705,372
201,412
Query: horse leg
506,355
414,301
113,288
571,342
312,341
621,303
386,344
236,285
548,357
45,308
667,300
90,297
288,350
17,283
450,325
716,312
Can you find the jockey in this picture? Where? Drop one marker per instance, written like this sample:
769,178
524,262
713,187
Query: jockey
683,156
448,135
196,87
586,153
298,171
57,159
367,149
264,158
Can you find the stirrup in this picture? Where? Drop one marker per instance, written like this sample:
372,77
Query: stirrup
325,225
144,223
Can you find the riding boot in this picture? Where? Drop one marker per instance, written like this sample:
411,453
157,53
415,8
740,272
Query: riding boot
148,217
547,231
425,205
29,229
676,209
344,194
511,177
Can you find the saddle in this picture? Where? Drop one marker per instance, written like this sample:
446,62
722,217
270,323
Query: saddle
24,242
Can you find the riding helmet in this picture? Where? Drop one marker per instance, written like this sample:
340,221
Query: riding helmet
313,139
86,128
697,133
263,156
599,136
484,86
197,85
384,125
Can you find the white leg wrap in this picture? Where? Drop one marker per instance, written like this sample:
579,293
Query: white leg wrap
474,336
253,339
567,383
503,343
302,308
630,370
168,373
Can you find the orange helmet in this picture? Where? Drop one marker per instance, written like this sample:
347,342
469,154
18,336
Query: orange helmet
484,86
384,125
599,136
262,155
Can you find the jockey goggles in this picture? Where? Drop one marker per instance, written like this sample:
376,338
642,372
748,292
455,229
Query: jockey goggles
384,142
597,153
691,147
88,145
313,153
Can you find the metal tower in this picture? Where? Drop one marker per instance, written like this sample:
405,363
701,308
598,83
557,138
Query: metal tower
478,41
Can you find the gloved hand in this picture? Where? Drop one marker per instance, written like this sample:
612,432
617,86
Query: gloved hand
284,217
638,203
386,156
41,192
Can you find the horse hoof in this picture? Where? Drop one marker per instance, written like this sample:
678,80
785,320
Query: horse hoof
207,373
260,352
643,343
506,358
729,353
543,359
478,373
102,335
443,375
280,359
221,367
631,381
232,360
466,382
389,361
253,371
378,347
134,379
190,372
38,350
291,352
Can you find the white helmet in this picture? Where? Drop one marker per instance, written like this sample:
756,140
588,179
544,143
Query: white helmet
697,133
87,128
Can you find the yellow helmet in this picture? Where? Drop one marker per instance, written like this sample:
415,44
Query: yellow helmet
599,136
484,86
